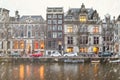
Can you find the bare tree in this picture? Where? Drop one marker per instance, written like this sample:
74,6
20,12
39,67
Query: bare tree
5,33
6,30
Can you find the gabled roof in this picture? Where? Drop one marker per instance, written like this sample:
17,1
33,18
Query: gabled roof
74,12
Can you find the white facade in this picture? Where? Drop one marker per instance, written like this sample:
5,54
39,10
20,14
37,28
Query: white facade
95,34
73,34
91,35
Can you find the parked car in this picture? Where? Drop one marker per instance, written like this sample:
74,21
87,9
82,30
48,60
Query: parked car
87,54
117,55
15,54
55,54
70,54
38,54
105,54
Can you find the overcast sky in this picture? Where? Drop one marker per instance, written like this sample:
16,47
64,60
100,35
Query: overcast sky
38,7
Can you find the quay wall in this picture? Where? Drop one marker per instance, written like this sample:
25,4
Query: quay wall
55,59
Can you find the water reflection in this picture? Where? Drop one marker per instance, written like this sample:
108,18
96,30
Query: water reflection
58,71
21,72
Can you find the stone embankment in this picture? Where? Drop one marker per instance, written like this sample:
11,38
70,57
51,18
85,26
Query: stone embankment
57,59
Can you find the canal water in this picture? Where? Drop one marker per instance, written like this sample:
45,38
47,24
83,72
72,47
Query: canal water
59,71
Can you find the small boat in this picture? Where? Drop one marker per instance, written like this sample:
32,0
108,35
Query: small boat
115,61
74,61
95,61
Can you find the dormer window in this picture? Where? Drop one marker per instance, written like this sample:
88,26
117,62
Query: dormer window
83,18
29,20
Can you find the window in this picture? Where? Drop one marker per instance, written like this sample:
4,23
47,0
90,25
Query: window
83,19
49,16
42,45
70,29
29,34
59,21
59,34
54,34
70,49
36,34
49,27
96,40
29,27
15,44
60,16
54,27
21,44
83,50
54,16
48,10
49,22
49,44
70,40
60,27
83,39
54,21
22,34
107,38
95,30
49,35
36,45
53,44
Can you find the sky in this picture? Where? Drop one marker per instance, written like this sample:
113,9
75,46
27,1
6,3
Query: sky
38,7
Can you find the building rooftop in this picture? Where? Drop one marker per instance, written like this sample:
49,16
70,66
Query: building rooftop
33,18
54,9
74,13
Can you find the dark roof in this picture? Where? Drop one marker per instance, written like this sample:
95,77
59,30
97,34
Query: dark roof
32,17
118,18
74,12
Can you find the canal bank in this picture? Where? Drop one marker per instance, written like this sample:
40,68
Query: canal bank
59,71
57,59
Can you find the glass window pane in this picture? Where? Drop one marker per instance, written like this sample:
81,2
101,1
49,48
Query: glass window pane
59,21
54,34
54,27
60,35
49,22
59,27
60,16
